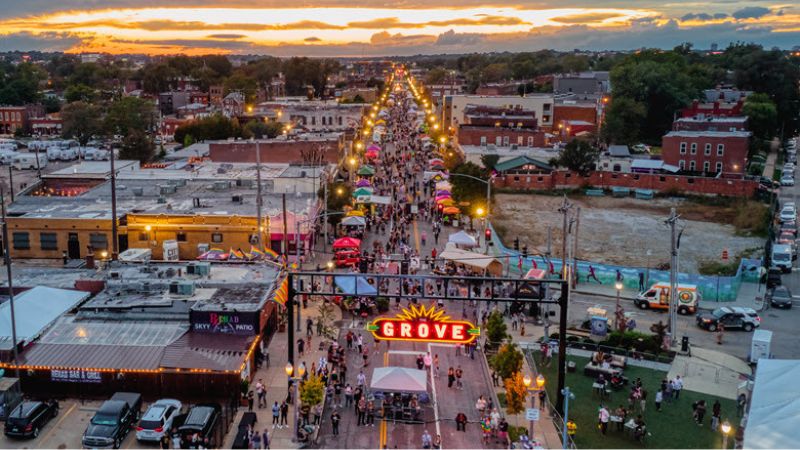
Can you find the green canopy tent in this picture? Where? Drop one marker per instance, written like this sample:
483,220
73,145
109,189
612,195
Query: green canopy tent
366,171
362,191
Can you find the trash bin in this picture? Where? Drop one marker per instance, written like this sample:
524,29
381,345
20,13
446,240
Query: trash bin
685,344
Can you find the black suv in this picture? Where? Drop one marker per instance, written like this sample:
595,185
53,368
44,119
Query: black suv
728,317
780,297
201,420
27,419
113,421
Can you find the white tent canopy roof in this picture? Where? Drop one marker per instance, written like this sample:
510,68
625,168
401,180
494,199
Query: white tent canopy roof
35,309
354,221
468,258
775,406
398,379
463,239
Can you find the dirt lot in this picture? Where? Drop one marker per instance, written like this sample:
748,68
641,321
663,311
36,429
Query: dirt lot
620,231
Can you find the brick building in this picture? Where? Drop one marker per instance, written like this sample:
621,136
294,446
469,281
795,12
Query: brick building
47,126
706,151
325,147
710,124
12,118
574,111
714,109
502,127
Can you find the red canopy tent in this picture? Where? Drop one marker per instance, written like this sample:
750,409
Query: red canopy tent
346,242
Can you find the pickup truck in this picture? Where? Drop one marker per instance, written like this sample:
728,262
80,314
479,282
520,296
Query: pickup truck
113,421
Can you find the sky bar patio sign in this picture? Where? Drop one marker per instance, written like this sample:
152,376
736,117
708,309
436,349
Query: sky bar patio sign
421,324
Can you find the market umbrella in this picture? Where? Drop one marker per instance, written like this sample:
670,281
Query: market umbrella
362,191
355,212
362,183
366,171
214,254
347,242
445,193
443,186
354,221
446,202
451,210
442,197
371,154
435,160
463,239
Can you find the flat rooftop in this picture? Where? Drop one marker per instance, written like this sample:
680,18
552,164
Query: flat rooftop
719,134
540,153
94,169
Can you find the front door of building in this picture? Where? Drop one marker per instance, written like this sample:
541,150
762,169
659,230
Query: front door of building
73,246
123,242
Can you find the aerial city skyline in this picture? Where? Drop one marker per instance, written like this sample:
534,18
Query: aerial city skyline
346,28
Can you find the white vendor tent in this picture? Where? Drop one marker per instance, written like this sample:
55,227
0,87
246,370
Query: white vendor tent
35,310
476,261
399,379
774,418
356,221
462,239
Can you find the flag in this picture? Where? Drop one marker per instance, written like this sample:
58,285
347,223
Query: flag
282,293
235,255
271,253
255,254
533,261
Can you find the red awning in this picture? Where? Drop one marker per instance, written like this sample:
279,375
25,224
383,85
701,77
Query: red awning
347,242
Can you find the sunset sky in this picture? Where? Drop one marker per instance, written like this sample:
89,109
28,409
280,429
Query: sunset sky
402,27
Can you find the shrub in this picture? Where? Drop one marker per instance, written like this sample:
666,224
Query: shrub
382,303
514,432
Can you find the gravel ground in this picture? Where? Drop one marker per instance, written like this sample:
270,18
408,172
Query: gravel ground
618,231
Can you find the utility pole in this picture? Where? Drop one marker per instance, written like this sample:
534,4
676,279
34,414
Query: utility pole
549,241
672,221
7,260
297,257
114,230
325,212
11,181
564,210
285,232
260,200
575,247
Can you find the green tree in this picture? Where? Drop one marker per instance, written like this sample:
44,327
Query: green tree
762,116
436,76
128,115
137,145
467,189
339,195
489,161
496,329
516,393
507,361
624,118
81,121
79,93
210,128
578,156
260,129
312,390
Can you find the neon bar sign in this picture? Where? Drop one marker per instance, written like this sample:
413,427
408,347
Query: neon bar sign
421,324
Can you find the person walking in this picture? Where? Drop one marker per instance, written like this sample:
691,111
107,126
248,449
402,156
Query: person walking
335,419
451,377
677,386
592,275
641,281
276,413
602,418
720,333
659,399
265,439
716,410
250,400
461,422
427,440
284,414
261,393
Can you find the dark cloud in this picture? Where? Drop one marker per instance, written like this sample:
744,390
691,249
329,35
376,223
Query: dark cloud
226,36
48,42
385,38
450,37
751,12
696,16
586,18
312,39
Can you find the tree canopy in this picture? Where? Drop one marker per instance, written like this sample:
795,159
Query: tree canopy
578,156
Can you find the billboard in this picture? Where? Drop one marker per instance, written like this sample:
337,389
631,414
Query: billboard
422,324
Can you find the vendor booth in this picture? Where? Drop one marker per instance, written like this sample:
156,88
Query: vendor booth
475,262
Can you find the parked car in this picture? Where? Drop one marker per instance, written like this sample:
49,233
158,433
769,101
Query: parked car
29,417
728,317
788,213
787,180
158,419
789,227
113,421
780,297
201,420
774,278
750,312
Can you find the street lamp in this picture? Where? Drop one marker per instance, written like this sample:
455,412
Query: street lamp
329,265
726,429
295,383
619,286
567,397
527,381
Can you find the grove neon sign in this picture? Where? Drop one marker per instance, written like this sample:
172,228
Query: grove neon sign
421,324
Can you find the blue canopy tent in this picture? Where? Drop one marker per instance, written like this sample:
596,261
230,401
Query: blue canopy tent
355,286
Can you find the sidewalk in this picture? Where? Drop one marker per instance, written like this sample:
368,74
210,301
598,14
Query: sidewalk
745,297
769,165
274,377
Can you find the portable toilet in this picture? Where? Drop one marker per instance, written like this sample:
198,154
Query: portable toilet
759,347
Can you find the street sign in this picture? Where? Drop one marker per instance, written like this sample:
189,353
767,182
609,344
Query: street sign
532,414
423,324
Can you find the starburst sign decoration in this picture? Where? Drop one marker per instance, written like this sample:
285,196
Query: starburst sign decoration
423,324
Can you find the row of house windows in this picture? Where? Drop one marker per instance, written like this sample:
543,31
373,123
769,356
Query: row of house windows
325,120
505,141
16,116
706,166
706,149
21,240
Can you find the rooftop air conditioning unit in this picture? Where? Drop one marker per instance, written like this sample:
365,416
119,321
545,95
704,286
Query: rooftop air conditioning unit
221,185
138,191
191,268
181,287
166,189
237,199
203,269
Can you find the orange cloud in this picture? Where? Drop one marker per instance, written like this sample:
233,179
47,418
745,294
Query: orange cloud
394,22
586,18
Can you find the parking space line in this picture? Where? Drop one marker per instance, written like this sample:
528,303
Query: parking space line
58,423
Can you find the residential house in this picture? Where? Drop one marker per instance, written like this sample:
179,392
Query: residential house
710,152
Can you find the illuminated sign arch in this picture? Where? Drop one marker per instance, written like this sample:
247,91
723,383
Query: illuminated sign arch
423,324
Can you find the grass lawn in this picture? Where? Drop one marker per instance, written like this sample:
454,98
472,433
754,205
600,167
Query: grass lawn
673,427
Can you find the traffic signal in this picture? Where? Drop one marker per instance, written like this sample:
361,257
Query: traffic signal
488,234
440,207
516,244
525,251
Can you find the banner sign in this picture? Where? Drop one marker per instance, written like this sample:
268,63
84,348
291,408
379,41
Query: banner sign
76,376
245,323
422,324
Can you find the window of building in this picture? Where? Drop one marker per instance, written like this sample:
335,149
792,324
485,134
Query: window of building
48,241
720,149
692,165
314,120
216,238
498,141
505,141
98,241
21,240
144,236
546,107
719,167
519,140
483,141
340,120
683,148
545,118
530,141
681,164
706,166
180,236
694,148
707,150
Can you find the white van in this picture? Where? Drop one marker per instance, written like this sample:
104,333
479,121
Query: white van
68,154
7,156
657,297
53,153
782,257
28,161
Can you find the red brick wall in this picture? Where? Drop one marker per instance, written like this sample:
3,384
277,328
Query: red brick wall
734,157
697,185
272,152
472,135
573,112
